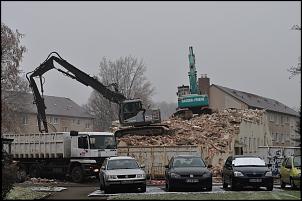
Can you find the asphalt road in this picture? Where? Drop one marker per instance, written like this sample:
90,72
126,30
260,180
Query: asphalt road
91,191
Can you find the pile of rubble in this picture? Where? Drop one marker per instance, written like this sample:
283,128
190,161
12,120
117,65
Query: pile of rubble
216,131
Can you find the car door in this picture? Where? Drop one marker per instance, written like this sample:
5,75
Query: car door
102,171
227,169
168,169
287,169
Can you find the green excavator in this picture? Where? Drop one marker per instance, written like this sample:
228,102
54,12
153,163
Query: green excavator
190,101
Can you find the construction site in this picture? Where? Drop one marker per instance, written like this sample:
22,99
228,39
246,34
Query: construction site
213,136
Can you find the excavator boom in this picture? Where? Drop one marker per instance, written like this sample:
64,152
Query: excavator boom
131,112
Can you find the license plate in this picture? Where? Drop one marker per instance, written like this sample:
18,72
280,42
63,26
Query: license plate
126,182
255,180
192,180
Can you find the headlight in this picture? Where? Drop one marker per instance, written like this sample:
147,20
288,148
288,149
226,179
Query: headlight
110,177
174,175
238,174
96,170
141,176
268,174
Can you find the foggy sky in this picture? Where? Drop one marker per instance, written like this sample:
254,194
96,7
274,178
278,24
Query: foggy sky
246,46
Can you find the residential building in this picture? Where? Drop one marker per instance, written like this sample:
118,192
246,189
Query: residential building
62,114
283,121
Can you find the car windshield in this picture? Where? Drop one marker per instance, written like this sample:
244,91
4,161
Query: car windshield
122,164
102,142
248,161
188,162
297,161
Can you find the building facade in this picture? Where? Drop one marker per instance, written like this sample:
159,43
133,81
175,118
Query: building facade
62,115
283,122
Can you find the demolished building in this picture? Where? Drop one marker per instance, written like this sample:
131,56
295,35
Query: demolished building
214,136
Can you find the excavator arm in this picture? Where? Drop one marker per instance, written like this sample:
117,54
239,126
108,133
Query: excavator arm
72,72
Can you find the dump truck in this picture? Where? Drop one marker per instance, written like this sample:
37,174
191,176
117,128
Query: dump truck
73,154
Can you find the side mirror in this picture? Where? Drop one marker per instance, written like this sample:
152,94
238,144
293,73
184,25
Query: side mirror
142,166
209,166
166,166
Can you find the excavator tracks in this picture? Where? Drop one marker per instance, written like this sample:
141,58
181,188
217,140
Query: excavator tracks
149,130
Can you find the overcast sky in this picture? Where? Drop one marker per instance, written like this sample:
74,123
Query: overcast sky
246,46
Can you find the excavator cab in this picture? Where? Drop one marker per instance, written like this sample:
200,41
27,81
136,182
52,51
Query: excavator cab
132,113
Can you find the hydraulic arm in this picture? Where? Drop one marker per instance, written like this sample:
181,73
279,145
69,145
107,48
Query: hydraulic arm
72,72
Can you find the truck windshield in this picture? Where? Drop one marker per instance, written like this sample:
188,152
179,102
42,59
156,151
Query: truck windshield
102,142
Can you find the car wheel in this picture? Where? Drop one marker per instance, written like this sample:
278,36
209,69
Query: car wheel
270,187
209,188
283,184
224,184
169,187
77,174
101,185
233,185
143,189
106,190
292,183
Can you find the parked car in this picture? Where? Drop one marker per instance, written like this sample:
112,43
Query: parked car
290,172
241,171
122,172
187,171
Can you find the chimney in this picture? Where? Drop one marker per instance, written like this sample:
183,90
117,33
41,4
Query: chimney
204,84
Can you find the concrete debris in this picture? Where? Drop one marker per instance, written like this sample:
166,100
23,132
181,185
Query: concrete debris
39,180
214,131
48,189
217,130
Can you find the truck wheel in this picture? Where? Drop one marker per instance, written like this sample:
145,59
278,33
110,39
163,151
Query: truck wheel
21,175
34,171
77,174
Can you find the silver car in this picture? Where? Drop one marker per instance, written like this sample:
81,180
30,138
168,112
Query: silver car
122,173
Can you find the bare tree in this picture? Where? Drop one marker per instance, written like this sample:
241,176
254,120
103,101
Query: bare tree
11,81
128,74
295,70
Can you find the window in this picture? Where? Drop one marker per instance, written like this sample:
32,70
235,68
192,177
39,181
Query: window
25,119
281,120
87,125
73,121
65,129
271,117
50,120
83,142
79,122
55,120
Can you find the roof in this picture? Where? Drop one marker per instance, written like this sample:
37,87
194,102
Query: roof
58,106
259,102
120,157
